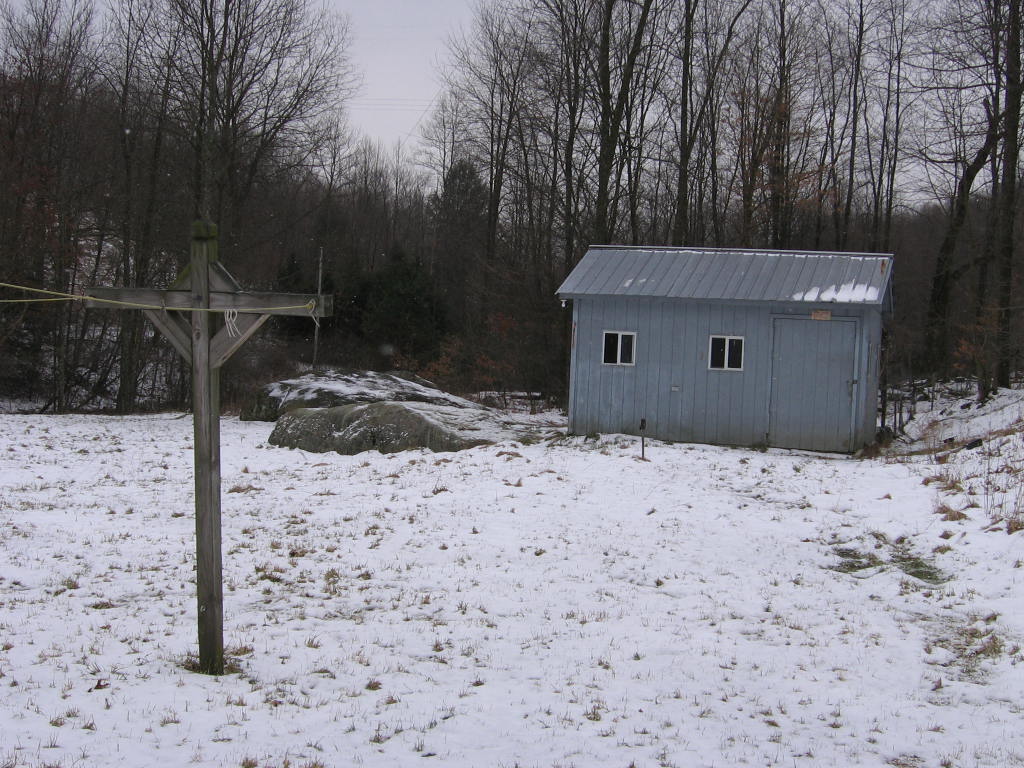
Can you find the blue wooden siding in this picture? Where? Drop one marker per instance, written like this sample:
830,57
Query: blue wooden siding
814,377
682,399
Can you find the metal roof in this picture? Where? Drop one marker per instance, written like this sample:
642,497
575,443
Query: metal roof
729,274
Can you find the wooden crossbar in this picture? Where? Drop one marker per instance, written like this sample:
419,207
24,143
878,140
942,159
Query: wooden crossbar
245,302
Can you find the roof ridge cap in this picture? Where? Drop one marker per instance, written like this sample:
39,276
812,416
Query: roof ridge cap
745,250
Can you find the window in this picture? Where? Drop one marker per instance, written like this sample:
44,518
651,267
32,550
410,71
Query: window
726,353
618,348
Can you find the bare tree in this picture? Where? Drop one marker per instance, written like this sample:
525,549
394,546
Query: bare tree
254,83
885,110
704,34
1007,221
972,87
51,171
137,71
622,36
567,25
488,74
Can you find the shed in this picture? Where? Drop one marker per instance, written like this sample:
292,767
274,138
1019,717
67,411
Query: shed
728,346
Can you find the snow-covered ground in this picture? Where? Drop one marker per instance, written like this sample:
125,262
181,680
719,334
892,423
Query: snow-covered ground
556,604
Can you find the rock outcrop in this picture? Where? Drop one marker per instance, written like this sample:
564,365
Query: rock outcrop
389,427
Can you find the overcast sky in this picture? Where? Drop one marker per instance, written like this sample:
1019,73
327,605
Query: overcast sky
396,46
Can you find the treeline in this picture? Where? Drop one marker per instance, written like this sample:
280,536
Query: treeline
117,130
856,125
874,125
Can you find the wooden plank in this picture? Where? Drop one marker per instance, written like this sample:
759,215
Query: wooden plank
174,329
225,345
295,304
206,427
222,280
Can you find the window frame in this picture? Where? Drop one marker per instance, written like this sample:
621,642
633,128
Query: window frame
728,357
618,347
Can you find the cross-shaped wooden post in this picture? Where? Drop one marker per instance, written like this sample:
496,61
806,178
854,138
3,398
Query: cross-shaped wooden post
206,287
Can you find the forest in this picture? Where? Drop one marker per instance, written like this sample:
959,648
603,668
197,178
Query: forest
847,125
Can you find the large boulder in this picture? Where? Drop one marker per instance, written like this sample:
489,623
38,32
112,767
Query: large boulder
334,388
390,427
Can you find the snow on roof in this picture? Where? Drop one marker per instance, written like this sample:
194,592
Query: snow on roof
730,275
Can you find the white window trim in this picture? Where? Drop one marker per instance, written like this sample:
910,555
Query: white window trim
618,349
743,354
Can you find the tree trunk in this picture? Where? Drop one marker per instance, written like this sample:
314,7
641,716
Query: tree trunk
937,322
1008,206
612,107
855,84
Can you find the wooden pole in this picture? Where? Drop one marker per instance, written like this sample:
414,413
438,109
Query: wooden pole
319,285
207,284
206,424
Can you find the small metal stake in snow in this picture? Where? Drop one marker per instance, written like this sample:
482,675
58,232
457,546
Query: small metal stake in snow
204,289
643,439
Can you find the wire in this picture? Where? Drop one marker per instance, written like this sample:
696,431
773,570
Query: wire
32,301
309,305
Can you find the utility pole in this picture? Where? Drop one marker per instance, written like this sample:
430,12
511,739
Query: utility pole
206,289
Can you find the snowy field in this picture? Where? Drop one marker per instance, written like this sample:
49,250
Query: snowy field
557,604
